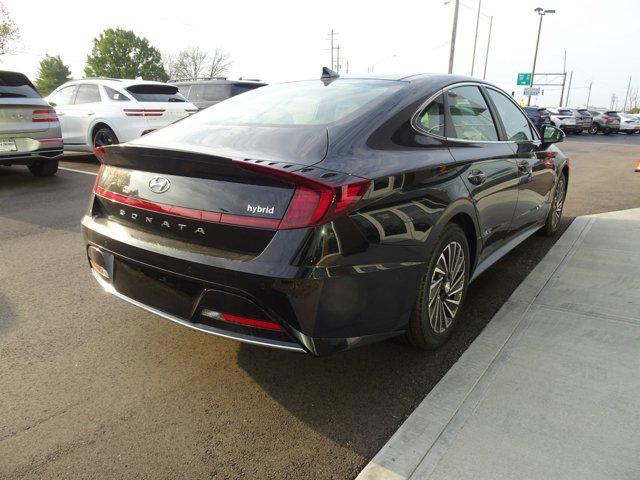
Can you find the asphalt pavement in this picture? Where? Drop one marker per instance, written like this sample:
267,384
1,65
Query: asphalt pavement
95,388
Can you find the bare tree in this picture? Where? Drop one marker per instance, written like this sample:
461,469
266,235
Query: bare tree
190,63
9,32
195,62
219,63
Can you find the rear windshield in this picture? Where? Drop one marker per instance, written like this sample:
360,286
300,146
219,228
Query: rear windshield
16,85
565,112
299,103
612,114
584,112
156,93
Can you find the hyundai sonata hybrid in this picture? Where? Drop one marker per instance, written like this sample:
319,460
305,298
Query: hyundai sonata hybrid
322,215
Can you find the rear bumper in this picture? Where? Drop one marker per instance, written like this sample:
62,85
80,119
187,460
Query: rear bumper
319,312
27,158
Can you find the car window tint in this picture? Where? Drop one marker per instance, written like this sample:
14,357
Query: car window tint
64,96
209,92
115,95
470,115
87,94
515,123
150,92
432,118
16,85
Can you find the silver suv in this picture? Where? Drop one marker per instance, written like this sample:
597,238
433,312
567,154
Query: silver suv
29,129
204,92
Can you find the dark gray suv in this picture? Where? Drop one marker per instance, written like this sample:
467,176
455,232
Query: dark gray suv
204,92
29,128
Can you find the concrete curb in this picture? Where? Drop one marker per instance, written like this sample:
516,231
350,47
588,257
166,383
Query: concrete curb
442,412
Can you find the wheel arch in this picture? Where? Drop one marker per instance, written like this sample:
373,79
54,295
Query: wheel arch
95,126
463,214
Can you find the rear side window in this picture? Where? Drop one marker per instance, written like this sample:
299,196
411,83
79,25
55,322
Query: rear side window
64,96
431,120
16,85
115,95
204,92
470,115
88,94
516,125
156,93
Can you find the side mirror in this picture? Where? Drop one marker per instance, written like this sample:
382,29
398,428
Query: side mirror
551,134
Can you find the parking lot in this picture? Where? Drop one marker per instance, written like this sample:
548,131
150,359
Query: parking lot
96,388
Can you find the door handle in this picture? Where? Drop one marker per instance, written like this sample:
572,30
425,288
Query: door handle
477,177
91,113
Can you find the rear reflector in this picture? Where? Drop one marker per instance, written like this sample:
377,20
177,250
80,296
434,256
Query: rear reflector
99,154
48,115
191,111
142,112
314,202
50,140
249,322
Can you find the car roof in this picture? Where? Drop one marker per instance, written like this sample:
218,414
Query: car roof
113,82
219,80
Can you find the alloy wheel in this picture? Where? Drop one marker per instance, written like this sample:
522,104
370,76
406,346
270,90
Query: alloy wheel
558,203
103,139
446,287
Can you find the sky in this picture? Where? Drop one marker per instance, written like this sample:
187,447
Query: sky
283,40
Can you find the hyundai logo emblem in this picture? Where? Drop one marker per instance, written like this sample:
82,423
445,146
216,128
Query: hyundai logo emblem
159,184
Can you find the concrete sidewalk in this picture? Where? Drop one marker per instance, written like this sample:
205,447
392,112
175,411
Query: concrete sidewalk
551,388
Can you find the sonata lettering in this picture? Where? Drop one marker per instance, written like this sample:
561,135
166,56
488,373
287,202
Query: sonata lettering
164,224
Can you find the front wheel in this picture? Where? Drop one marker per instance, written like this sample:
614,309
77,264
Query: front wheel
442,291
555,213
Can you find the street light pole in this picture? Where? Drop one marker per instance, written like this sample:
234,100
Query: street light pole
486,59
589,95
542,13
453,34
475,40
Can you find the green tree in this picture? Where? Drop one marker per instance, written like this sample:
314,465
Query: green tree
51,74
120,53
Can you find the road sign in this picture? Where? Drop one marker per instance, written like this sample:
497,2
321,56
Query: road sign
524,79
532,91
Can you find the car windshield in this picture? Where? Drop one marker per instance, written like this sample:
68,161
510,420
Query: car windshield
16,85
299,103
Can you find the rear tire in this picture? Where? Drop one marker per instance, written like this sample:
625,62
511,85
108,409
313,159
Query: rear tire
555,212
441,292
44,168
593,129
103,137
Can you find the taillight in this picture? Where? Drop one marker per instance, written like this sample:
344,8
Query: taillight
314,202
48,115
537,115
605,117
143,112
191,111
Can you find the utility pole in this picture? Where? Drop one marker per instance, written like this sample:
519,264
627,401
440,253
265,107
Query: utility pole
338,59
486,59
613,101
347,67
564,77
589,95
475,40
627,95
453,34
541,12
566,103
332,35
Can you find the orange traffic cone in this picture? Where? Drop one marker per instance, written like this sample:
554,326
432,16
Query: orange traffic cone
637,167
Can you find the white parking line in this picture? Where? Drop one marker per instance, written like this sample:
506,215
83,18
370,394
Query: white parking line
77,171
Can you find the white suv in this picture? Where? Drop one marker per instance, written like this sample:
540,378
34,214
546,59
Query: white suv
105,111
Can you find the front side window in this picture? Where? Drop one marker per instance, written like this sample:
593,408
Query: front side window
63,96
115,95
515,123
470,115
88,94
431,120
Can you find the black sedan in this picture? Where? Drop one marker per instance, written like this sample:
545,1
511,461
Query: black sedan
322,215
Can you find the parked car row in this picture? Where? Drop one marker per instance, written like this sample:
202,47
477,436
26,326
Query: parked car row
582,120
